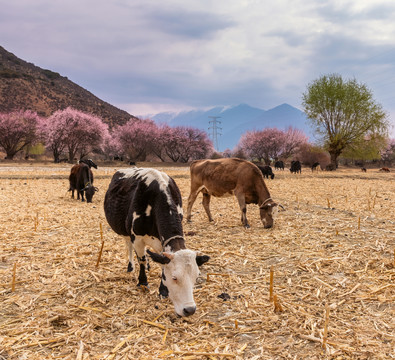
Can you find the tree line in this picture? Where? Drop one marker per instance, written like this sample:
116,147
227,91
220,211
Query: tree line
343,114
71,134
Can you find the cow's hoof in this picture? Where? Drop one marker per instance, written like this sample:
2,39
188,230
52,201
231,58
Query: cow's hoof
247,226
143,287
130,267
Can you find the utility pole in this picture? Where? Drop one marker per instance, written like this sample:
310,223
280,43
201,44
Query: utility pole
214,129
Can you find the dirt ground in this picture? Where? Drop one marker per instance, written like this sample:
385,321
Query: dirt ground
331,252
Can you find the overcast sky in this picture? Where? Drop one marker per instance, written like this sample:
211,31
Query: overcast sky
153,55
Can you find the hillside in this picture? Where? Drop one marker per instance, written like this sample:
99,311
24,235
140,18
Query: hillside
28,87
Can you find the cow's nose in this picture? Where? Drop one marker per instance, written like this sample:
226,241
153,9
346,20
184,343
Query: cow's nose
190,310
268,226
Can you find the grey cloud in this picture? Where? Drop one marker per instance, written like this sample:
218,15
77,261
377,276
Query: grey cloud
291,38
344,12
184,88
341,52
183,23
381,12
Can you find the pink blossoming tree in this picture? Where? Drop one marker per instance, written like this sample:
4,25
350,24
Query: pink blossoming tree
293,140
264,144
388,153
18,130
184,143
74,132
271,143
136,138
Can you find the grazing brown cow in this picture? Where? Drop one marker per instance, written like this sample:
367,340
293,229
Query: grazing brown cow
223,177
385,169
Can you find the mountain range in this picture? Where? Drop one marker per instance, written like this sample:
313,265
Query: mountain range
232,122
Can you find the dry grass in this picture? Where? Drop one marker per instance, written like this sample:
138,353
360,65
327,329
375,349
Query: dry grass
331,251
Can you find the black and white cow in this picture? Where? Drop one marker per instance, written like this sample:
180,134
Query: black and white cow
144,205
315,166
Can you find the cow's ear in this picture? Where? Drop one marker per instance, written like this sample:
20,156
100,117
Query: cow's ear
201,259
161,259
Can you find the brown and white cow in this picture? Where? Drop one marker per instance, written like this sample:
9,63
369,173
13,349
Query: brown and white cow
384,169
144,205
81,179
223,177
315,166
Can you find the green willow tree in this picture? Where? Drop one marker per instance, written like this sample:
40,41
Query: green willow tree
343,113
369,148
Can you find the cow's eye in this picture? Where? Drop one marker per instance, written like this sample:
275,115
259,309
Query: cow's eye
174,278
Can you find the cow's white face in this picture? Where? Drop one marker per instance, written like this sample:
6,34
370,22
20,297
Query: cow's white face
180,276
180,271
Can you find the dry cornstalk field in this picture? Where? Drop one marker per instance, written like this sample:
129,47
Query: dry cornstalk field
330,257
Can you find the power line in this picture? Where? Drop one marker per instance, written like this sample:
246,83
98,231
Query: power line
214,130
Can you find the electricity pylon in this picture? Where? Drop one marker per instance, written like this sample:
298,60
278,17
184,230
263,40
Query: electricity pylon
214,130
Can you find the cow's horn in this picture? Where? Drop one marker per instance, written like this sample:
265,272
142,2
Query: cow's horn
168,255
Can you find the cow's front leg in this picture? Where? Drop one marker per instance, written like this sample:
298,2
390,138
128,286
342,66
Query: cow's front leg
139,248
82,195
191,199
243,207
129,247
206,205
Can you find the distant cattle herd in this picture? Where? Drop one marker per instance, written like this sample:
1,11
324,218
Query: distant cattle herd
144,206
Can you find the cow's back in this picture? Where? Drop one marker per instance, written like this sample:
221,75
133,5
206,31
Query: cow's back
80,176
117,203
222,176
138,197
